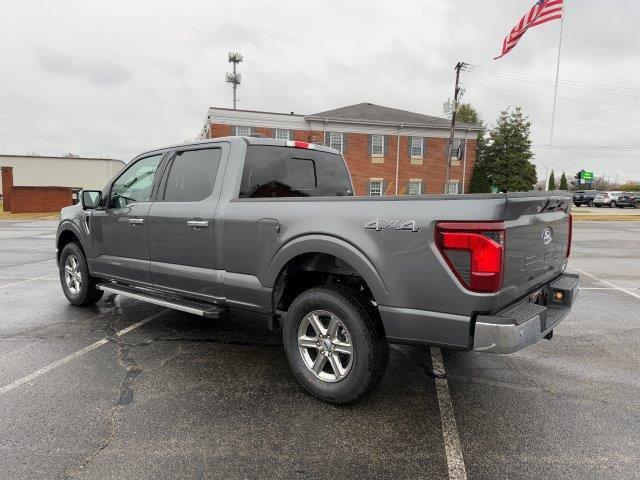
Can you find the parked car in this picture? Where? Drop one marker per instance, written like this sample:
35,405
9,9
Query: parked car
584,197
272,226
606,198
628,200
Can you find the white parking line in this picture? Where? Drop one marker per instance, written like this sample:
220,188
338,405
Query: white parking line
27,280
452,448
73,356
612,285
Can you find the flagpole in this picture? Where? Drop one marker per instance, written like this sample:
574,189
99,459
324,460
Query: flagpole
555,90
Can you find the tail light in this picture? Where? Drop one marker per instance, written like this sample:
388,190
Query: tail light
474,252
296,144
570,235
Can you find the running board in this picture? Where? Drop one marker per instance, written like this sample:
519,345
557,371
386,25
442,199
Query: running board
197,308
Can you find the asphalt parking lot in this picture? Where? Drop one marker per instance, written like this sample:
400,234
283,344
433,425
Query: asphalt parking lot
180,397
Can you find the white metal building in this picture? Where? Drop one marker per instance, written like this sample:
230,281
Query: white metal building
89,173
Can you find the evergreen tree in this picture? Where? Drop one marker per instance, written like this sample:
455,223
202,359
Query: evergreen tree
552,182
508,153
480,182
564,185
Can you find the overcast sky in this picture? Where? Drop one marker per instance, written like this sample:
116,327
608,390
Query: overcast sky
115,78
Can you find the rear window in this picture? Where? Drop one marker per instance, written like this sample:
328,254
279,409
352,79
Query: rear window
271,171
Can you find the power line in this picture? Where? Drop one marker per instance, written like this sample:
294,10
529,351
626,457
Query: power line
551,96
548,80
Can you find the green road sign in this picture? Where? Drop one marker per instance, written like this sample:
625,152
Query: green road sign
586,176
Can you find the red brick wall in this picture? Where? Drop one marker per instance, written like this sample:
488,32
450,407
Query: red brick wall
40,199
7,183
432,171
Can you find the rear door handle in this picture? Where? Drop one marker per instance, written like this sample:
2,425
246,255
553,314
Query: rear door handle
136,221
198,223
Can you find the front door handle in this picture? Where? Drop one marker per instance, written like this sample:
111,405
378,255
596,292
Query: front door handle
198,223
136,221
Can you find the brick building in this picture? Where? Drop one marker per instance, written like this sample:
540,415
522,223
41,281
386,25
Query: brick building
388,151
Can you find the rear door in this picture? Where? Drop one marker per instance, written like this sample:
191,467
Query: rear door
538,229
119,227
181,222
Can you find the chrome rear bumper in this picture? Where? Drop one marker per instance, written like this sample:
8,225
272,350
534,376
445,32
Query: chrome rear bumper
525,322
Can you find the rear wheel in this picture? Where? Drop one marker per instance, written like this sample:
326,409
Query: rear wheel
578,204
78,286
589,203
612,204
335,343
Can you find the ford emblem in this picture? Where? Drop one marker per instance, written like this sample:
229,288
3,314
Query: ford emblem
547,236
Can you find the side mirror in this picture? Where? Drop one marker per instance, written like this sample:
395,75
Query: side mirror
90,199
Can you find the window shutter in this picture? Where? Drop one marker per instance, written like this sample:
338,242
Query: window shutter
369,145
292,134
463,147
424,147
368,187
385,145
409,147
385,185
344,143
327,139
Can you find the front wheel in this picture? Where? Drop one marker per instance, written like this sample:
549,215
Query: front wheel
78,286
612,204
335,343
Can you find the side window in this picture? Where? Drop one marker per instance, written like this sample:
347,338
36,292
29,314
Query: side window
136,183
292,172
192,175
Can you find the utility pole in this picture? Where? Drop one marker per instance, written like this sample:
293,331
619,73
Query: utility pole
234,78
454,111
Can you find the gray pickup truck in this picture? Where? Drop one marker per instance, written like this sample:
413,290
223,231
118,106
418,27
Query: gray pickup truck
272,226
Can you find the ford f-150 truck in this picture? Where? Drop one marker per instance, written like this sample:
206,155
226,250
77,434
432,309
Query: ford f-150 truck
273,226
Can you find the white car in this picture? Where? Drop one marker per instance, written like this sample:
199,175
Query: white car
606,198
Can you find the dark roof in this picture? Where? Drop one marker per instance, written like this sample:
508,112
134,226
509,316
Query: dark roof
371,113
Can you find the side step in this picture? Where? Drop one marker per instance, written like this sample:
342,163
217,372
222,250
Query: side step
197,308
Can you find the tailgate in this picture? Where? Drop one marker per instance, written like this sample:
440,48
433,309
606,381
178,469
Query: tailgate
537,240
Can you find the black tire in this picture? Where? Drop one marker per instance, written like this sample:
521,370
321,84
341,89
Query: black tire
598,205
87,293
367,338
612,204
578,205
589,204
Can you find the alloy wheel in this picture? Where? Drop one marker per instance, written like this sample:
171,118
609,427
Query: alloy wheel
72,274
325,345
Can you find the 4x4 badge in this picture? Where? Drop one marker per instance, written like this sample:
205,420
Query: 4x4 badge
379,225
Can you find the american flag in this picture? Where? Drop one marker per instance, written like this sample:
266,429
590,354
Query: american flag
542,12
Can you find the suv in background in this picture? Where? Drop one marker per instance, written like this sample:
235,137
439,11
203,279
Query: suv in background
628,199
584,197
606,198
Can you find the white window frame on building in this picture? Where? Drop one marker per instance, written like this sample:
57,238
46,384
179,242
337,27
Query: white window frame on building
420,146
453,188
282,134
243,131
377,145
457,142
333,142
415,186
379,185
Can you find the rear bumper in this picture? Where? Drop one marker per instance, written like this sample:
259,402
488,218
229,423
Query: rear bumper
526,322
